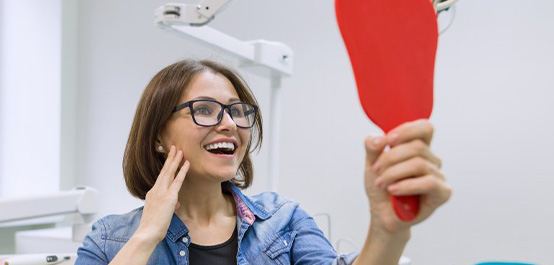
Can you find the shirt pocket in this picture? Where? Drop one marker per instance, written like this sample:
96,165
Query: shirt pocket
279,249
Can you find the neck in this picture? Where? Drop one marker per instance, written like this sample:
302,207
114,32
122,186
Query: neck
203,202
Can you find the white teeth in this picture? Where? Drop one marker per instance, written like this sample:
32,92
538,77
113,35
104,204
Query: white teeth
227,145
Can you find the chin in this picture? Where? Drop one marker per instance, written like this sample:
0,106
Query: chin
224,176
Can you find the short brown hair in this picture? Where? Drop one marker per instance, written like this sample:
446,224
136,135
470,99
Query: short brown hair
141,162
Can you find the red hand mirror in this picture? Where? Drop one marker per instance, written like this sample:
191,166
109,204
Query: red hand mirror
392,46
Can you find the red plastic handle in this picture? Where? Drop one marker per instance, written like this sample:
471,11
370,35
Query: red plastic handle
405,207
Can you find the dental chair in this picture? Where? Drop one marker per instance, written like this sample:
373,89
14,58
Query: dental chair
72,212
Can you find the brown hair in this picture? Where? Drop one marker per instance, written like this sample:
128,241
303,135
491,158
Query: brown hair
141,162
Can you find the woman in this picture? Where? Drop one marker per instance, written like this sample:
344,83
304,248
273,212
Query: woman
188,157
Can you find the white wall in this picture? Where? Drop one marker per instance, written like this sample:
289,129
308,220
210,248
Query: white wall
494,118
30,94
116,59
492,114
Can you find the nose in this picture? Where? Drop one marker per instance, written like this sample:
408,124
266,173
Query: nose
227,122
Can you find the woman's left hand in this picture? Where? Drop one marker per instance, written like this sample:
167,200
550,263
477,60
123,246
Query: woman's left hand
407,168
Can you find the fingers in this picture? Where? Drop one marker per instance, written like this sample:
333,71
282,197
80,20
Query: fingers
171,164
409,167
168,159
374,146
409,131
403,152
178,181
410,155
413,167
435,189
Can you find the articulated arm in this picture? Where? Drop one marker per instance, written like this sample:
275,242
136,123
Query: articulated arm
189,14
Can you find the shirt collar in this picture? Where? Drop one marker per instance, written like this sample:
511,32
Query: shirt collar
247,211
177,229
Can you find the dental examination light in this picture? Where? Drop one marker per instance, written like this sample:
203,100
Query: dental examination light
445,8
270,59
81,202
191,20
443,5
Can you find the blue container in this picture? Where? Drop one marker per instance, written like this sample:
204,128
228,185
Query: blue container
504,263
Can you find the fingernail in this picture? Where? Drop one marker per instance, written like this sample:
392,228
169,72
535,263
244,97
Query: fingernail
377,141
392,188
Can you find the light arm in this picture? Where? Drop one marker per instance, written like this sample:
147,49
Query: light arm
186,19
189,14
442,5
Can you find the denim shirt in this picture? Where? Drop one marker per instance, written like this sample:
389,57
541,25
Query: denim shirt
271,230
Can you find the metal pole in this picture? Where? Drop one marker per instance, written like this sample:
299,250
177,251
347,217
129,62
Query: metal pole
274,131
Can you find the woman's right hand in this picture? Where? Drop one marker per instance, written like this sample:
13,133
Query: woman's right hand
162,199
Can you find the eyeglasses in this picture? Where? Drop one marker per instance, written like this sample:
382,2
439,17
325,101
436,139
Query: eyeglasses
206,112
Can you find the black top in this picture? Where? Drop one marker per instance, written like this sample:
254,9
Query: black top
221,254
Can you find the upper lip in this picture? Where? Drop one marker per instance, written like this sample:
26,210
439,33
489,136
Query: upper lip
220,140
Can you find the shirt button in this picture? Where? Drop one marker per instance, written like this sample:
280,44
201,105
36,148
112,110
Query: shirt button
185,240
182,253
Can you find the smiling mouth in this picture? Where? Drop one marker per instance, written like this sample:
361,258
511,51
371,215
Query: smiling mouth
221,148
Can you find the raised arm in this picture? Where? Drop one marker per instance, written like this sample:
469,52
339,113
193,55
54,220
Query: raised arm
407,168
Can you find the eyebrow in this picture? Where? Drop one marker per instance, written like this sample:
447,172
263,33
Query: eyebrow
229,101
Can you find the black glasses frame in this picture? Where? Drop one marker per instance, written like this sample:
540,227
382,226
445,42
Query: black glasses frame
224,107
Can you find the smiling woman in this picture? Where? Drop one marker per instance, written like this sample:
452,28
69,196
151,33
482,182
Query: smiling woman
188,157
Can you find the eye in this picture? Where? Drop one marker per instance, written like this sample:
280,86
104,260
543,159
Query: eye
202,110
236,111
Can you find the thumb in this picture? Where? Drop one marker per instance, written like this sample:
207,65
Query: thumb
374,146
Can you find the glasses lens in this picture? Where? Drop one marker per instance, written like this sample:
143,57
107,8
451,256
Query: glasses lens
243,114
205,112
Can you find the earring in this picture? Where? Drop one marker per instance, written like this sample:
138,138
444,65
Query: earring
160,148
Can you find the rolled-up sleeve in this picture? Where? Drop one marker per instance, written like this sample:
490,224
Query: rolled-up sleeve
92,251
346,259
310,246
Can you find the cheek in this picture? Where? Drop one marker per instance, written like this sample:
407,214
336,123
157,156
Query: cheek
188,141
